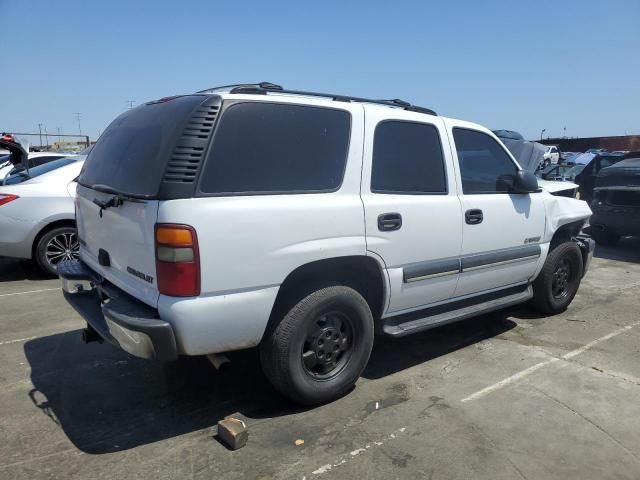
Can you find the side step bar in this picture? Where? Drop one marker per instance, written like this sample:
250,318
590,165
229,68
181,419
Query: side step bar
413,322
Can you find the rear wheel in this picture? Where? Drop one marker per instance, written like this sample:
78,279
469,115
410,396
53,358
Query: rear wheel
604,237
559,279
316,353
57,244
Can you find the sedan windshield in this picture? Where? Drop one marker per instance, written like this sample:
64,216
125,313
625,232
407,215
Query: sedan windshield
19,176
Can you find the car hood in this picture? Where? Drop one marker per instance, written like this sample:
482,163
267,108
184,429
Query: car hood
553,186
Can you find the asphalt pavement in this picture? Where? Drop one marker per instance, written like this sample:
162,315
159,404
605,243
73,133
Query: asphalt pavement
509,395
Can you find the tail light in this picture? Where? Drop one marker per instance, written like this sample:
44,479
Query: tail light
6,198
177,260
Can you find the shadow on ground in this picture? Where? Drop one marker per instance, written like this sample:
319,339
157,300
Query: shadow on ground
626,250
12,270
106,401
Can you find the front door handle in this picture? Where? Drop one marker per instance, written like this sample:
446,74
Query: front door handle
473,216
388,222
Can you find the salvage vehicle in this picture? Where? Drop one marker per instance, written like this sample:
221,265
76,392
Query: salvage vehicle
303,223
37,217
616,202
586,179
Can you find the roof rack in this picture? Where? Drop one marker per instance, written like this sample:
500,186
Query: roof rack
264,88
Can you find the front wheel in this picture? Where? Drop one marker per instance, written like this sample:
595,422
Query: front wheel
559,279
317,352
60,243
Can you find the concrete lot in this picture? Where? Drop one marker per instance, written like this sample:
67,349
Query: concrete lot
507,395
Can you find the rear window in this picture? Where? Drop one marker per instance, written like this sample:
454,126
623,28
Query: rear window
132,153
268,148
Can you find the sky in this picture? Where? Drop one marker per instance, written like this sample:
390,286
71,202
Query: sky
518,65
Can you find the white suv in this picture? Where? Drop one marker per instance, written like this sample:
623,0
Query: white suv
551,155
302,223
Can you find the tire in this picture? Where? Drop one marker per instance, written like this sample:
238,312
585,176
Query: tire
558,282
60,243
604,237
317,352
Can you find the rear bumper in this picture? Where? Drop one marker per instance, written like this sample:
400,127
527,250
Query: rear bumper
117,317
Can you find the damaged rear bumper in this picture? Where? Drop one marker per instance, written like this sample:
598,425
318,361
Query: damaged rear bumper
117,317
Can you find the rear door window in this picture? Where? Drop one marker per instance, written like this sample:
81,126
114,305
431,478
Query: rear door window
485,167
269,148
407,159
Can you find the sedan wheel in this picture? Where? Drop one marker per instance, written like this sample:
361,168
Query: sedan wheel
55,246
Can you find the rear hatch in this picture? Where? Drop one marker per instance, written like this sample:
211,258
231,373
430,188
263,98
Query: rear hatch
146,155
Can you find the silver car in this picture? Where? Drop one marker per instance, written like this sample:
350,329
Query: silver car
37,214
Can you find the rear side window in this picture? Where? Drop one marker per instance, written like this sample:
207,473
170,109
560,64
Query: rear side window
407,159
484,165
268,148
131,154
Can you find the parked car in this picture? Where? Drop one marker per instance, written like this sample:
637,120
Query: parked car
35,159
616,202
597,151
553,172
37,217
619,152
551,155
587,178
304,224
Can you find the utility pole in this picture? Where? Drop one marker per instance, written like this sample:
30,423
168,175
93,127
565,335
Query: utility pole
564,135
46,137
78,118
40,130
541,132
130,103
59,140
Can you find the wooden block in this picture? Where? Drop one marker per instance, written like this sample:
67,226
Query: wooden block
233,433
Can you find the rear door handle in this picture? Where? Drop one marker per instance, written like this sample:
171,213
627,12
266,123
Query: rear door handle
388,222
473,216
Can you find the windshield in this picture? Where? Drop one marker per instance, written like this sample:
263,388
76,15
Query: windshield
573,171
24,175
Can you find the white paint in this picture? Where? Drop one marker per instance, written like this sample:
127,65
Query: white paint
30,291
17,340
520,375
356,452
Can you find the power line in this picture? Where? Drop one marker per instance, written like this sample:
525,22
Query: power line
130,103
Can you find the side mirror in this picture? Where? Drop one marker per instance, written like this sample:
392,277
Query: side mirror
525,182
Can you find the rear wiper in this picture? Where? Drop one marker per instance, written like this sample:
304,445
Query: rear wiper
123,196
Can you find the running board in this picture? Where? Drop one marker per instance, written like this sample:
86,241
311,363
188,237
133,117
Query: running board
413,322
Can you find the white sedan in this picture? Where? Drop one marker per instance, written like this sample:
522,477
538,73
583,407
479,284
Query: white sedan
37,214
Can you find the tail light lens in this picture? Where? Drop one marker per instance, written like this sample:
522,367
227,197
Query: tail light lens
177,260
6,198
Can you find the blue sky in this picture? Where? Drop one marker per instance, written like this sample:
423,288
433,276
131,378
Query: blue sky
520,65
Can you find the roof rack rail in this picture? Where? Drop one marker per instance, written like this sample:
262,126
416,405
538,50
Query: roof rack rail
262,85
264,88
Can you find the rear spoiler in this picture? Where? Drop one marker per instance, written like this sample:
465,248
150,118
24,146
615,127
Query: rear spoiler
19,152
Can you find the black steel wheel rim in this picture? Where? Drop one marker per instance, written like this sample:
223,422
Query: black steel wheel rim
328,345
64,246
562,278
